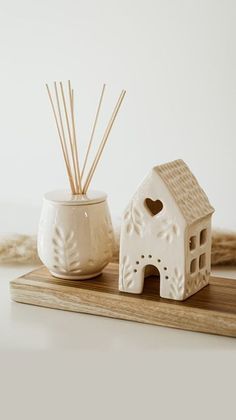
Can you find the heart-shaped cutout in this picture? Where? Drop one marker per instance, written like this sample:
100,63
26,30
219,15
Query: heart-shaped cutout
154,207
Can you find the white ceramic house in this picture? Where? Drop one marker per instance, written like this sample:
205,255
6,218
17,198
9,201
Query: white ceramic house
167,227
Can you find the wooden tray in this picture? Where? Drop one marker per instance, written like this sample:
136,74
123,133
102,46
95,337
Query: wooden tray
212,310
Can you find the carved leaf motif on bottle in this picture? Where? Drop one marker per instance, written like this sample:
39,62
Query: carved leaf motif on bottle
102,238
65,249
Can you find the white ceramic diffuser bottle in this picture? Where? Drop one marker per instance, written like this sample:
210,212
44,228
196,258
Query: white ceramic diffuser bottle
75,237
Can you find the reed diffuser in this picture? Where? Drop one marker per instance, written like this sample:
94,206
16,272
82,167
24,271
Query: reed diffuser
75,238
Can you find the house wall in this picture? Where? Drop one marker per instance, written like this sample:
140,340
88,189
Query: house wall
198,255
157,240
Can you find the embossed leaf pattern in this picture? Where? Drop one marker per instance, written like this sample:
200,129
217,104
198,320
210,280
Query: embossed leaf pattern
168,231
134,220
102,243
177,285
196,283
65,250
110,242
107,231
126,273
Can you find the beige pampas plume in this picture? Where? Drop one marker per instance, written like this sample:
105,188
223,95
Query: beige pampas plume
20,249
223,248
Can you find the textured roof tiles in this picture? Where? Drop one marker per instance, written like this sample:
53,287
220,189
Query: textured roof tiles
185,189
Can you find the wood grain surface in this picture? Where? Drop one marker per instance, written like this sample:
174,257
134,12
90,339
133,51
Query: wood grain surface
211,310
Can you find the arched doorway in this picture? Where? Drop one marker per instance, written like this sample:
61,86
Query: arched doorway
151,279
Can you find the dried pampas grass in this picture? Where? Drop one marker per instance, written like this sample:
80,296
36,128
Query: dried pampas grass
22,249
223,248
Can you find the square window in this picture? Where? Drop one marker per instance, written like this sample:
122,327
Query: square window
193,266
192,243
202,261
203,237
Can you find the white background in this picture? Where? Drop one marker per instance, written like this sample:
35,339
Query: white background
177,61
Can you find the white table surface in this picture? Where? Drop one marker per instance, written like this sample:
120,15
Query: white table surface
66,359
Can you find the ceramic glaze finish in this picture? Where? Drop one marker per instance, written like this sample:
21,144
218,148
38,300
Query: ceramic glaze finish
201,253
68,199
156,232
75,237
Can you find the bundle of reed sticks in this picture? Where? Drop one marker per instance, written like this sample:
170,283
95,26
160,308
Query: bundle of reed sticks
62,103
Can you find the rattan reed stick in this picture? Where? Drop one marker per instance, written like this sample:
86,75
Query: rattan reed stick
70,138
75,148
68,169
103,143
69,142
93,130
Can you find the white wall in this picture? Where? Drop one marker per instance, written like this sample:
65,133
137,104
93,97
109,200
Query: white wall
177,61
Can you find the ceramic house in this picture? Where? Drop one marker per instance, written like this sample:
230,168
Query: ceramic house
166,229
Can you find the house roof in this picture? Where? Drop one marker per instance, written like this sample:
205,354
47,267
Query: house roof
185,189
